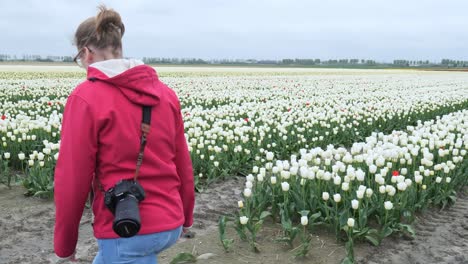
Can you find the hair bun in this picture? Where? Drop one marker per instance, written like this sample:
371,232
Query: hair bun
107,21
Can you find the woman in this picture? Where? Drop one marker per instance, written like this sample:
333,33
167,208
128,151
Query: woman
100,142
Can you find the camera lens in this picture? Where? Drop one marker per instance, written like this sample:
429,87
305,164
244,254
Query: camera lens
127,217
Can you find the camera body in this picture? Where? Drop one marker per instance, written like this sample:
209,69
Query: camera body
122,200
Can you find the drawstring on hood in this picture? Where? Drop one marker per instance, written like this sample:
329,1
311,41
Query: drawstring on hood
137,81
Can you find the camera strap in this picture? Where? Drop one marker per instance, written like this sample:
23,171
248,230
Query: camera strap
145,129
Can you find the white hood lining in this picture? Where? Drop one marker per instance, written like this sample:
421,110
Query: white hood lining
115,67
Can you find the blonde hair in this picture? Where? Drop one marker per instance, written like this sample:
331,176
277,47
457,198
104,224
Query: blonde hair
105,30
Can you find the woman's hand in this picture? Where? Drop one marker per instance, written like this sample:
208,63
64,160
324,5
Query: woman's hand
186,233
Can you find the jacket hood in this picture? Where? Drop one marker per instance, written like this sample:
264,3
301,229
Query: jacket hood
137,81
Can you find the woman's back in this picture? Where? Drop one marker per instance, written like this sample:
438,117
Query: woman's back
100,141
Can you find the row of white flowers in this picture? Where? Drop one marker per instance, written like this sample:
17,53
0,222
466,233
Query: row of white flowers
386,178
231,120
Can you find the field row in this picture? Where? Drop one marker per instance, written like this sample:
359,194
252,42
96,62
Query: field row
231,121
366,192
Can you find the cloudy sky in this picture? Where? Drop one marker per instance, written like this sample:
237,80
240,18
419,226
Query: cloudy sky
262,29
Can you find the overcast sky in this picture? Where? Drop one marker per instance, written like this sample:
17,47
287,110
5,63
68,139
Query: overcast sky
262,29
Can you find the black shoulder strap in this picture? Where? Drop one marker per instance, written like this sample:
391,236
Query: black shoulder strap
145,129
146,115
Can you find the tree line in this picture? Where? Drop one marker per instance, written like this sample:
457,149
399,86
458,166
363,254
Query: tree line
284,62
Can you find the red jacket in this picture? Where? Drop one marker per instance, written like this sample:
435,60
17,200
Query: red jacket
100,139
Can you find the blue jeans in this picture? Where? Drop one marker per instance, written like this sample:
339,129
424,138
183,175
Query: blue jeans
139,249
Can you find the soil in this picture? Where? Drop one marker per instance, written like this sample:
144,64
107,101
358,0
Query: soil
26,226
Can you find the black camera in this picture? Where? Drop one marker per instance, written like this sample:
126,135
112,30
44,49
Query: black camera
123,200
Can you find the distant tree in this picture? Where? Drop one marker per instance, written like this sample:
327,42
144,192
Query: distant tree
67,59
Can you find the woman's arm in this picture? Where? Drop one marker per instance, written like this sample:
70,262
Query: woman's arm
73,172
185,171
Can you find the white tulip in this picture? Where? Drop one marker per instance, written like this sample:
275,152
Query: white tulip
389,165
408,182
273,180
337,180
247,192
418,179
427,173
250,178
243,220
355,204
401,186
325,196
285,175
285,186
351,222
255,169
347,179
293,170
380,162
337,198
304,220
378,178
275,169
260,177
388,205
327,176
345,186
382,189
269,156
40,156
360,175
360,194
46,151
400,178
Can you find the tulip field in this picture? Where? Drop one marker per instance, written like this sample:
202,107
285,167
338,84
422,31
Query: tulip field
357,152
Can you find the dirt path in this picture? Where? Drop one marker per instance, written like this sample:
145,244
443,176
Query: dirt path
26,226
441,237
